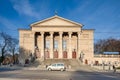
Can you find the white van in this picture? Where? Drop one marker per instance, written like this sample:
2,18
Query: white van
56,66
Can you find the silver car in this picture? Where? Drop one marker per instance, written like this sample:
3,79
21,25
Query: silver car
56,66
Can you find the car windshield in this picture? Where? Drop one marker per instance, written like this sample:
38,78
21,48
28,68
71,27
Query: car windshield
53,64
60,65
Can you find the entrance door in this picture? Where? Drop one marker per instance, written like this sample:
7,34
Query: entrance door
74,54
86,61
65,54
55,54
47,54
37,53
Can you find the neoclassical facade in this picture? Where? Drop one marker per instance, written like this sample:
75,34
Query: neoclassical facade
58,38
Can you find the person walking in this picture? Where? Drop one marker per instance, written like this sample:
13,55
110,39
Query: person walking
114,68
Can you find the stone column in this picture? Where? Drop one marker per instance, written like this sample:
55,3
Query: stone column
60,46
33,42
78,54
51,44
42,45
70,48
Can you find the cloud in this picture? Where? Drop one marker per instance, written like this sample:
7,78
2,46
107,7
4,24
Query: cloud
9,27
24,7
7,23
103,16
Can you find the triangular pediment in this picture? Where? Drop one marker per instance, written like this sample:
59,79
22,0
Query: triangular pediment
56,21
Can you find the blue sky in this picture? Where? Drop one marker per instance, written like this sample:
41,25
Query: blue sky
101,15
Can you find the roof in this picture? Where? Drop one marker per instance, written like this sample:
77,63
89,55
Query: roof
56,17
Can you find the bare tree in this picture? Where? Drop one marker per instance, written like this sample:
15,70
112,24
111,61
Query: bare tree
107,45
99,46
4,43
13,47
112,45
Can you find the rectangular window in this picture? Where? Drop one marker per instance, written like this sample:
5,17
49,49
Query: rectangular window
64,44
55,44
47,44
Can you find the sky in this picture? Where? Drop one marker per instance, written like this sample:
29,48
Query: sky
101,15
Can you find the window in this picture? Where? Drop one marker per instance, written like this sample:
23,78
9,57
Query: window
55,44
53,64
58,65
64,44
47,44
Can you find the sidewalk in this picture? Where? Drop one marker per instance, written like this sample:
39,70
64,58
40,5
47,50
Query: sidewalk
12,79
84,68
20,79
106,69
16,67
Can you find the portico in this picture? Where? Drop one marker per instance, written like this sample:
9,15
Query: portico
56,44
57,38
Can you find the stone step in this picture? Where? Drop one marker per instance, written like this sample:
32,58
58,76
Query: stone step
71,63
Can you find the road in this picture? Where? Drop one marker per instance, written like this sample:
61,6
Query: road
14,74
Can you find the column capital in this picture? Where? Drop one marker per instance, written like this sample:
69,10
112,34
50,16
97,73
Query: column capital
60,32
69,33
79,32
42,32
51,32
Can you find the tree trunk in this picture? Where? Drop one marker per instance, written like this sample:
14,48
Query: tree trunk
2,57
13,56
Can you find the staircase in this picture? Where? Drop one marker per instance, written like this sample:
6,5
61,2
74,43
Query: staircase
69,63
50,61
36,63
75,64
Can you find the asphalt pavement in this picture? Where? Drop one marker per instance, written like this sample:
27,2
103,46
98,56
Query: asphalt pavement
19,73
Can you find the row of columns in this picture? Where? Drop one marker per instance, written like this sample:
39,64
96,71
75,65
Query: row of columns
60,46
42,44
79,43
51,44
60,43
70,50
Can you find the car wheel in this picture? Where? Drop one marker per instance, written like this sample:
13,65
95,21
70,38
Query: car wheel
49,69
61,69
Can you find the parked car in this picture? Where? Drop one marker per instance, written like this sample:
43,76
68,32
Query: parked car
56,66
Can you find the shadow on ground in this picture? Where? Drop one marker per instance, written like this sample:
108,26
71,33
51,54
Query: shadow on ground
84,75
3,69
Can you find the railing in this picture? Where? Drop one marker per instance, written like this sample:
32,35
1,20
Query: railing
106,56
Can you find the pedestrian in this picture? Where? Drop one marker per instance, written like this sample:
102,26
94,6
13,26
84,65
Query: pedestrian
114,69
